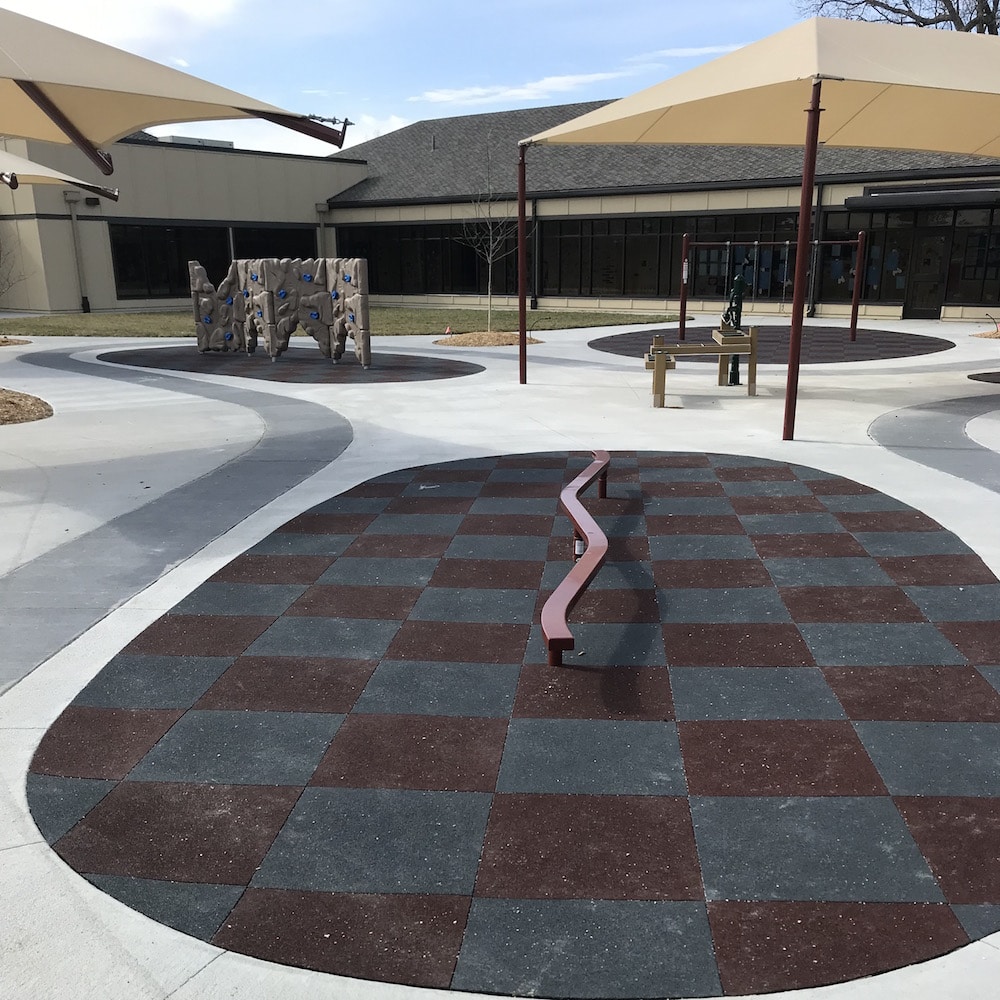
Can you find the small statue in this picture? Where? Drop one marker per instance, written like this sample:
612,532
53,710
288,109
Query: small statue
733,316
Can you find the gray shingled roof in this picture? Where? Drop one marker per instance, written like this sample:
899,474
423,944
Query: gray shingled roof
444,159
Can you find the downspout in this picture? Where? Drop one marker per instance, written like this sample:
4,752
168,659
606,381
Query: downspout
819,230
536,254
71,198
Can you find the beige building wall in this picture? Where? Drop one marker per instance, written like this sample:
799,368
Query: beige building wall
158,183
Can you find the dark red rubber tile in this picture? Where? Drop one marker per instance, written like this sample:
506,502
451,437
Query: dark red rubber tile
99,742
589,847
958,836
510,525
459,642
537,461
937,571
391,546
838,488
200,635
915,694
527,490
699,573
887,520
343,601
776,758
615,506
488,574
755,473
289,684
979,642
621,548
694,524
179,832
414,751
766,947
376,490
762,645
439,475
804,546
777,505
273,569
328,524
429,505
641,693
849,604
411,938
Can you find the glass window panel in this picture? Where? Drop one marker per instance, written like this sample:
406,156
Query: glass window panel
935,217
972,217
640,265
607,265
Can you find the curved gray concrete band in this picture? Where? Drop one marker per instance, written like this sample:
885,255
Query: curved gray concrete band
907,431
59,595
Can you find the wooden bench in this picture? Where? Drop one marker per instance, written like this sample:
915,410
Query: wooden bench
662,357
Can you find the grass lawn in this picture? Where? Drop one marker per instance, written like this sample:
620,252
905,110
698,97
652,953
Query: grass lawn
384,321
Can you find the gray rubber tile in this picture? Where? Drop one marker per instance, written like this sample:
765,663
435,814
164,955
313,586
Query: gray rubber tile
538,947
415,524
556,476
827,571
618,758
380,572
351,505
192,908
706,693
524,547
935,758
863,644
978,919
349,638
240,748
448,604
378,840
992,674
58,804
443,489
612,576
606,645
722,604
774,488
701,547
971,603
131,681
790,524
461,689
835,849
239,599
516,505
862,503
298,543
912,543
689,505
677,475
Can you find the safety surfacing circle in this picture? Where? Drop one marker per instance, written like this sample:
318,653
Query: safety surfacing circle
297,364
769,763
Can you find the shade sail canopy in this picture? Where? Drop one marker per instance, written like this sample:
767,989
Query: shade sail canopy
884,86
58,86
16,170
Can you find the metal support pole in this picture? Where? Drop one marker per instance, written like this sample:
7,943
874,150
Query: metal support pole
522,269
859,278
685,272
802,260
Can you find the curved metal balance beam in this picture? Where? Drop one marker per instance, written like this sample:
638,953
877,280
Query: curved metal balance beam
555,629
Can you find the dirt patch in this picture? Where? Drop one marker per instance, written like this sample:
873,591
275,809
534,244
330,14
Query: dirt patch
483,340
19,407
11,341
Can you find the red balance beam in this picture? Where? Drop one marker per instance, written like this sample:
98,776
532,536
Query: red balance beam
554,626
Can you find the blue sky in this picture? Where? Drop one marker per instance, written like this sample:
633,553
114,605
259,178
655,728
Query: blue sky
386,63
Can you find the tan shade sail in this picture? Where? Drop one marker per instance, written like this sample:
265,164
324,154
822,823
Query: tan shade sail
16,170
884,86
50,77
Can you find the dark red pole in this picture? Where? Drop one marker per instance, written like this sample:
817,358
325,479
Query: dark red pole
522,269
802,260
685,270
859,280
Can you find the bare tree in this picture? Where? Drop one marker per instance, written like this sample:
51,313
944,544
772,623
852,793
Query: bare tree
10,274
491,231
980,16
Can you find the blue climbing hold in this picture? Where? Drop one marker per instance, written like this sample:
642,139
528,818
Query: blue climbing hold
229,300
246,294
282,294
206,319
314,315
253,277
350,316
307,277
260,313
335,294
347,278
229,336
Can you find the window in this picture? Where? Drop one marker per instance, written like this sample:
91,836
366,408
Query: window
151,262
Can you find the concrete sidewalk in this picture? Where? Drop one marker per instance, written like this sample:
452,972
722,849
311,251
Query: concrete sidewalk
92,557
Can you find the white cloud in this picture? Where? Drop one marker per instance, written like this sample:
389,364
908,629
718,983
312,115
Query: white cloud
536,90
684,53
183,63
369,127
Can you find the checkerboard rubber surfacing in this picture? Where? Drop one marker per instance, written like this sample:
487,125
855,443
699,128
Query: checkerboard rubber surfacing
298,364
770,764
